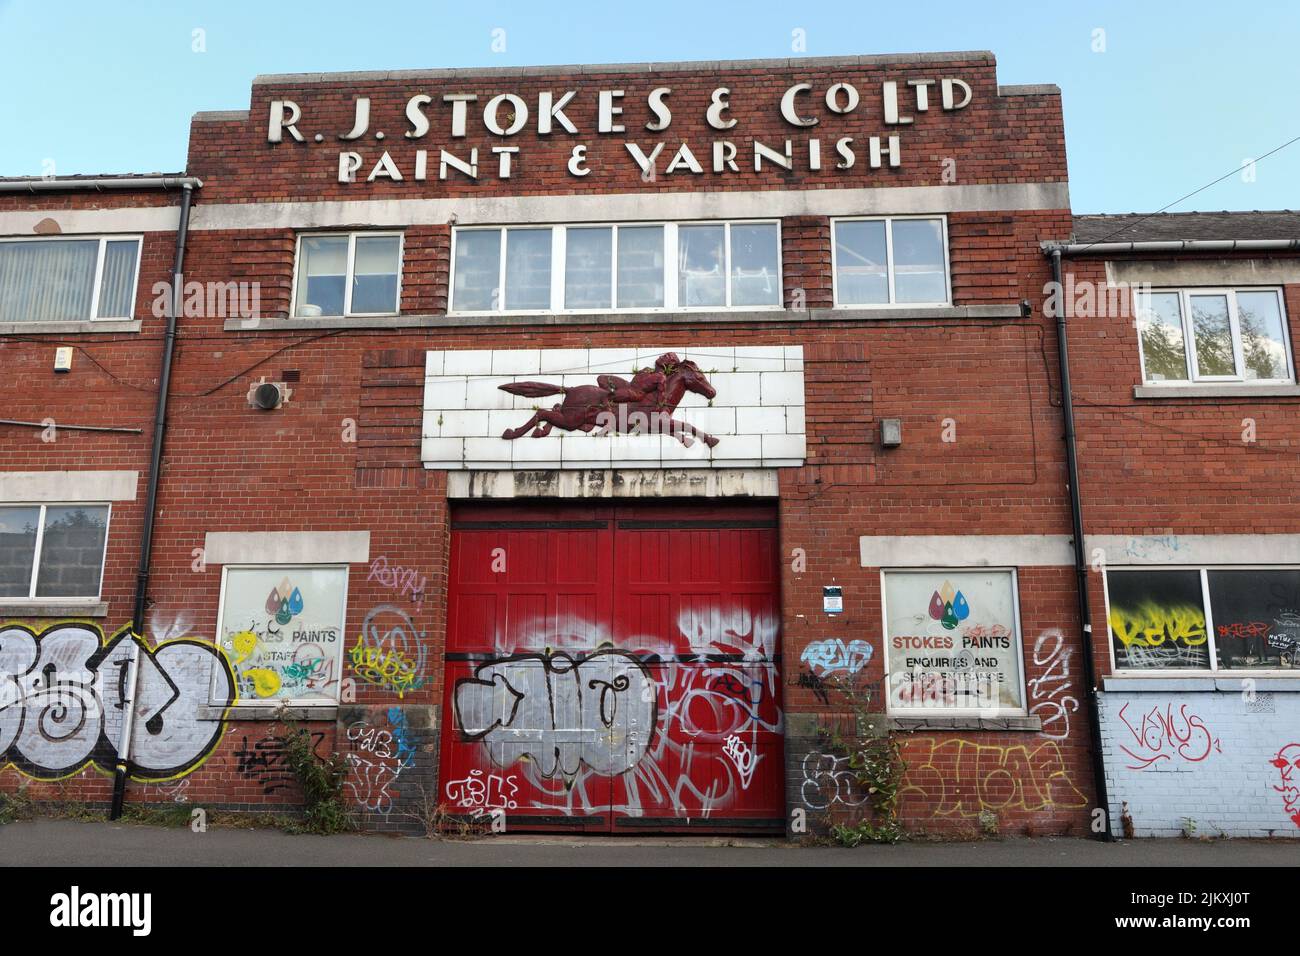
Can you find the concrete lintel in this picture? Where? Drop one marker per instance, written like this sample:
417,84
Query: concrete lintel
68,486
286,547
1193,549
69,328
616,483
1245,391
62,610
966,551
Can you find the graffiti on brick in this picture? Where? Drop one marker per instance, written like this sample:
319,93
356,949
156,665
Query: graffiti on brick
828,780
1287,762
1049,690
1163,738
263,761
834,655
62,702
957,777
379,754
404,582
390,651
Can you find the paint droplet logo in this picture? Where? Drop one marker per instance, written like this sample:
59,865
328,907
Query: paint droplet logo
284,602
949,606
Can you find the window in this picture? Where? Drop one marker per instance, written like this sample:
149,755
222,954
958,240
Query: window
1213,335
898,261
621,267
343,275
952,641
281,627
1209,619
68,279
52,551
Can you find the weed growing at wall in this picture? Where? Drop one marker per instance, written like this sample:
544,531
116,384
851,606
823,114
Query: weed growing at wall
15,806
877,765
325,810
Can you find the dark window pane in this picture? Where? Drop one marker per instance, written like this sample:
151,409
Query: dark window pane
528,269
1157,619
1160,327
755,274
72,551
588,270
45,281
17,549
117,286
322,276
919,271
1212,336
1256,618
1263,335
375,267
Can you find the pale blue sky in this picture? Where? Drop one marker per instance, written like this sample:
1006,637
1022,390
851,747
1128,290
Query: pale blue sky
1183,93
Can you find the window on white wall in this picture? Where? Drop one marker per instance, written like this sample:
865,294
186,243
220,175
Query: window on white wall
281,627
68,279
52,551
1214,335
621,267
952,641
1204,619
890,261
348,274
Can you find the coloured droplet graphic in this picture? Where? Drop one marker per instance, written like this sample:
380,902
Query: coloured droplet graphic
295,602
949,617
273,601
936,606
947,592
283,615
960,607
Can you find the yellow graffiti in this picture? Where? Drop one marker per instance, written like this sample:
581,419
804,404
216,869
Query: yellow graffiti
1152,625
964,778
243,643
384,668
265,682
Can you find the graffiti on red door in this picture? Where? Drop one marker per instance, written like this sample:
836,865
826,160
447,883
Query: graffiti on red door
633,730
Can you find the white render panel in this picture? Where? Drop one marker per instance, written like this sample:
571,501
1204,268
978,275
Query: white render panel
757,414
286,547
68,486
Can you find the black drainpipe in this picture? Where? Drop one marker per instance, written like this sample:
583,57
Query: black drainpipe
150,509
1080,558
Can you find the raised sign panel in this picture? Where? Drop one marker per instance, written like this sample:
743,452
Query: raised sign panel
713,407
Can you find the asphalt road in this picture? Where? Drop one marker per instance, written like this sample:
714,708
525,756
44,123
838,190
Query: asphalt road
75,843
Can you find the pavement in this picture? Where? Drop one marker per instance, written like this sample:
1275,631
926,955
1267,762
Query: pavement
79,843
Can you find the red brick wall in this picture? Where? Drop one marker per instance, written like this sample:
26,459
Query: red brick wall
230,468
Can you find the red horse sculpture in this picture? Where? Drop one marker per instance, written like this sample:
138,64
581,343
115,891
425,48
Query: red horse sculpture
641,406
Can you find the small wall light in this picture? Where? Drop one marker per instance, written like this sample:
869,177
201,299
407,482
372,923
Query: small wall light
891,432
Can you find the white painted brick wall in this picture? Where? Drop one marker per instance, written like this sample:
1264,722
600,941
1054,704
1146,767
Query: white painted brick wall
758,414
1201,756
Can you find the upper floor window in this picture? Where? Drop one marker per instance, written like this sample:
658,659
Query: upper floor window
348,274
52,551
69,279
1213,335
625,267
890,261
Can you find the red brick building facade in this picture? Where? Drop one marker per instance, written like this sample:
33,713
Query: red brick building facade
835,268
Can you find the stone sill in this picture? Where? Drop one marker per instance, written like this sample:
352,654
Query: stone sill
1216,391
69,328
1200,684
523,319
269,712
72,609
1015,723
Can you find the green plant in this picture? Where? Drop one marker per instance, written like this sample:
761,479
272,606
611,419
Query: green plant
877,764
15,806
326,810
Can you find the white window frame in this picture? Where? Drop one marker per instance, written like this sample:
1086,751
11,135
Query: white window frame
1194,377
559,248
891,710
32,598
889,272
280,701
97,287
1269,673
349,276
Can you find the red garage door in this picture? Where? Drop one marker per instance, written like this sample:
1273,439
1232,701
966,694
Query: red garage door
614,668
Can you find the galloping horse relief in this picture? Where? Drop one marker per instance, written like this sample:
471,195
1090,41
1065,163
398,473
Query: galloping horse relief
643,406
